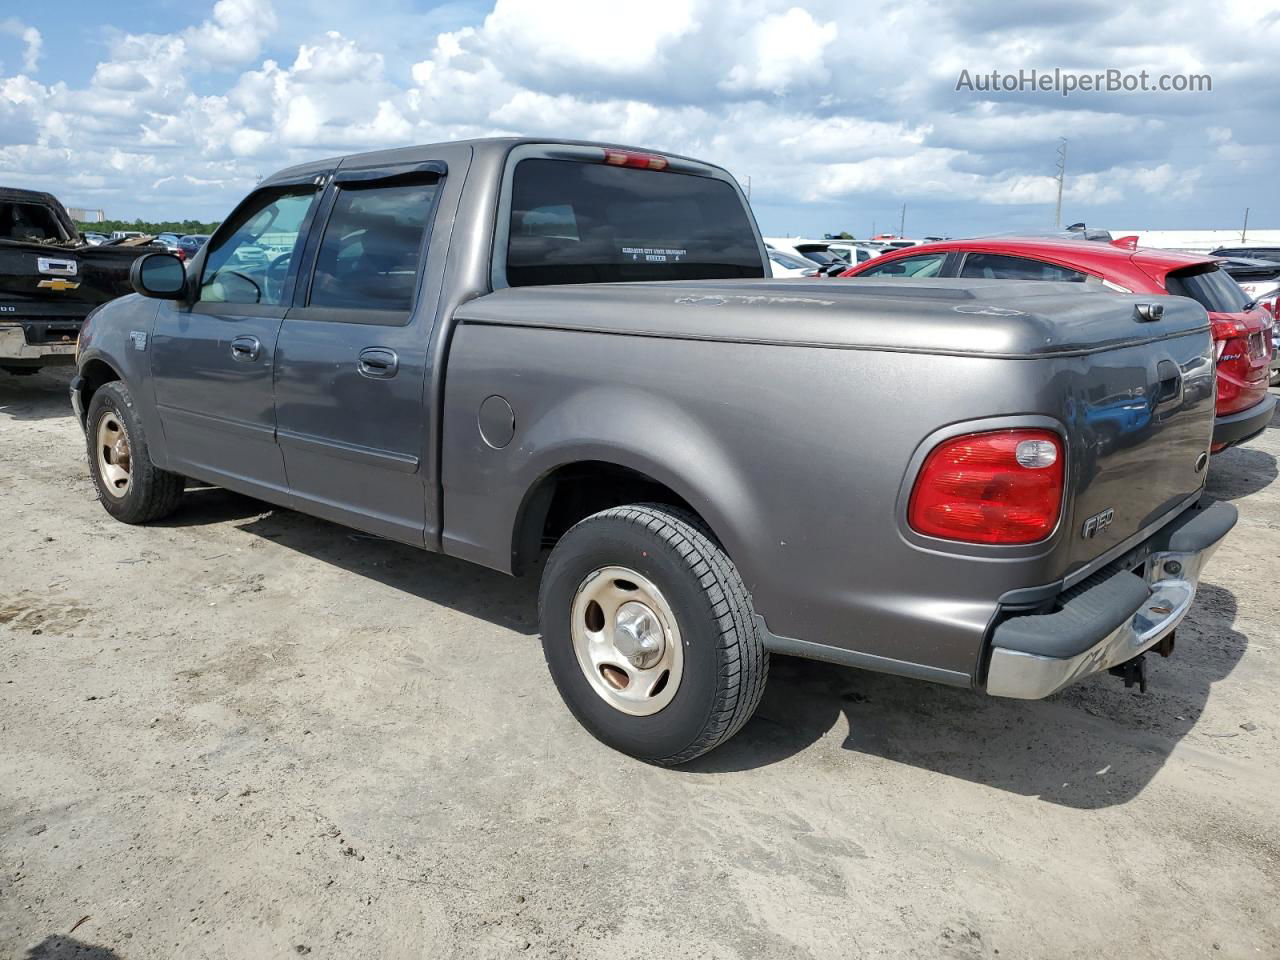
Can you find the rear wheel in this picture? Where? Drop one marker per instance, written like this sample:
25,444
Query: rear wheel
649,633
130,486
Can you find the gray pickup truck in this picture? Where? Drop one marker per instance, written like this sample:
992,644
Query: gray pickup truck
463,347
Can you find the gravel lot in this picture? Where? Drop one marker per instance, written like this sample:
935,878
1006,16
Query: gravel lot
246,733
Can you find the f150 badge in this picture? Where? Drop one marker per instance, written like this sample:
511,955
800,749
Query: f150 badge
1097,523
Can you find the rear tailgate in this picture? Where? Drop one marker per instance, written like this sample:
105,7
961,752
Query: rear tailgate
62,282
1141,420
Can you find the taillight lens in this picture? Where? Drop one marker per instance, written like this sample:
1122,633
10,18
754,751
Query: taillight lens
82,338
999,487
1226,329
631,158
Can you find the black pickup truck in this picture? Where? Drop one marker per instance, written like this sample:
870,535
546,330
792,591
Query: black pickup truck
50,279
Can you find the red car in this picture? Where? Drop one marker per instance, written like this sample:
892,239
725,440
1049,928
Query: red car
1241,330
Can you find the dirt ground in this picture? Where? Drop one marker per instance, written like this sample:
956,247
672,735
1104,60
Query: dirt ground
246,733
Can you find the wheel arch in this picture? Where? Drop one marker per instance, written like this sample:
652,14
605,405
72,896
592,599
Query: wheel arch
579,484
95,372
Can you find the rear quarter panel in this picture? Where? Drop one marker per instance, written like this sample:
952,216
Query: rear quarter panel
798,457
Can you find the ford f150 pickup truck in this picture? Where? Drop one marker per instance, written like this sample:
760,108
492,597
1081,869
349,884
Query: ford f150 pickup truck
501,348
50,278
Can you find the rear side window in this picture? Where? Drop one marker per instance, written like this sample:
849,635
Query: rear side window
28,221
995,266
1208,286
923,265
577,222
368,257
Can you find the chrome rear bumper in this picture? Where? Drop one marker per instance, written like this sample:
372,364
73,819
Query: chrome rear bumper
14,346
1111,619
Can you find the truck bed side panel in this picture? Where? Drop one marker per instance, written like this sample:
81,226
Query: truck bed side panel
799,458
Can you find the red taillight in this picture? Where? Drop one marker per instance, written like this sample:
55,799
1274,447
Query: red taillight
1225,329
630,158
998,487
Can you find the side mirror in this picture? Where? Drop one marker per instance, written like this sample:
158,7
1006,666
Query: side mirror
159,275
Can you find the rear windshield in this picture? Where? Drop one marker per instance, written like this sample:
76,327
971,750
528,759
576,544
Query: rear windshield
577,222
820,255
1210,287
788,261
28,221
1256,253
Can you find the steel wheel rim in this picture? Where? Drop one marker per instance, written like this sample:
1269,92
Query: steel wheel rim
617,617
114,463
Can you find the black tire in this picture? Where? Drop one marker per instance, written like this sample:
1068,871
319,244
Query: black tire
725,662
151,493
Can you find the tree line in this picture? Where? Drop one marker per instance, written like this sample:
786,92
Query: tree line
180,227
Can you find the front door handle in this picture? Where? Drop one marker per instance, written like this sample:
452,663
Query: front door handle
245,349
378,363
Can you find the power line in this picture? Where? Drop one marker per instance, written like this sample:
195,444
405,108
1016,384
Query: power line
1060,178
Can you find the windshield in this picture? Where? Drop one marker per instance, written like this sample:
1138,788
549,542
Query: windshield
575,222
1210,287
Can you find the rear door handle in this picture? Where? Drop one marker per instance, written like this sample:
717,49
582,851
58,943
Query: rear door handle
245,349
378,363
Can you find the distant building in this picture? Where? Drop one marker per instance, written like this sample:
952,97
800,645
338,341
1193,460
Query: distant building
1200,241
80,215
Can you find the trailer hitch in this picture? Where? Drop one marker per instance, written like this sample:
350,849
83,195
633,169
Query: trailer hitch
1132,672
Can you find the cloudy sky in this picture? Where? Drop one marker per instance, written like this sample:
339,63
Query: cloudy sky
839,112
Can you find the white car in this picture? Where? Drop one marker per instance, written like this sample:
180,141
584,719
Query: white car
814,251
853,251
789,265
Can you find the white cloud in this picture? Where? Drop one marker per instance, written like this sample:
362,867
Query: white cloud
785,50
32,42
235,33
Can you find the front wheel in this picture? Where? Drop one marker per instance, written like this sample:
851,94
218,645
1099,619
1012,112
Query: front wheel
649,633
130,486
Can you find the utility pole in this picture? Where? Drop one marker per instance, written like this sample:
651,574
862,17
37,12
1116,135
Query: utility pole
1245,228
902,221
748,188
1062,176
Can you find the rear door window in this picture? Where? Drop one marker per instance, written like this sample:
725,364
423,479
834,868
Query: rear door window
368,258
922,265
574,222
997,266
1210,287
